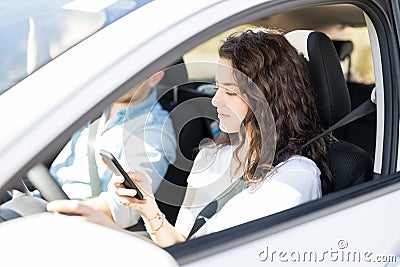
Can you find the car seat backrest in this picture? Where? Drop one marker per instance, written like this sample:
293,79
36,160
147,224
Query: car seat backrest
363,131
188,111
174,76
349,163
332,95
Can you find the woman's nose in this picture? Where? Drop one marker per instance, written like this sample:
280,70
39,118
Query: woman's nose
216,101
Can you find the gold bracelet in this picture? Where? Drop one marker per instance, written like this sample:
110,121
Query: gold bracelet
160,216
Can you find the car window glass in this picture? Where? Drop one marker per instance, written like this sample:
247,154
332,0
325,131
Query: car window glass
207,51
358,65
35,33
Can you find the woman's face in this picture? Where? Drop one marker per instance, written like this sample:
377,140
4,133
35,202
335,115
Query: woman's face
231,106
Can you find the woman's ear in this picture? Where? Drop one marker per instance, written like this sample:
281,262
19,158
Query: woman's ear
156,78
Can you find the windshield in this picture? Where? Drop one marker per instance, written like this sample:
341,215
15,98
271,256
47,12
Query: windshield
35,32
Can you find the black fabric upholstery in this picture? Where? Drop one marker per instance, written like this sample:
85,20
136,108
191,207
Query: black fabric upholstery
349,163
361,132
189,121
333,99
174,76
343,48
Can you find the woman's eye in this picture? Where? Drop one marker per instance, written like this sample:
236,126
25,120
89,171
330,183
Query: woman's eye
225,90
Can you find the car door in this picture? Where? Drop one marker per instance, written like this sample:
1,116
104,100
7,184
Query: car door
353,226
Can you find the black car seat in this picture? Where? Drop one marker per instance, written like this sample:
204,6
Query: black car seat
349,163
344,48
189,112
189,133
361,132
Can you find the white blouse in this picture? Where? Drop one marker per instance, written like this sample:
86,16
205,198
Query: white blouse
295,181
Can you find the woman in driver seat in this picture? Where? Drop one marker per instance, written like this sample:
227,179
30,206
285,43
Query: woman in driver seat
267,112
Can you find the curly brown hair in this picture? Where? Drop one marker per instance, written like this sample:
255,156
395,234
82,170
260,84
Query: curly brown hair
282,80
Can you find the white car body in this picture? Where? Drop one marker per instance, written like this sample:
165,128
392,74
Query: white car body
362,222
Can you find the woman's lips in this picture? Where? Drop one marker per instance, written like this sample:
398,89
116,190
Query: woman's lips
222,116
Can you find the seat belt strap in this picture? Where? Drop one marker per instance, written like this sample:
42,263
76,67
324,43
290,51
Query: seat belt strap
93,170
216,205
364,109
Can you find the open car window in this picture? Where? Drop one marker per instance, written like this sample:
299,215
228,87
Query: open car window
359,72
366,48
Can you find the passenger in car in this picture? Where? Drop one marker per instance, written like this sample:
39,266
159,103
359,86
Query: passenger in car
267,112
137,130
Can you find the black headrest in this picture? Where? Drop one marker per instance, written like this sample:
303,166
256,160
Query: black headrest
175,74
333,99
343,48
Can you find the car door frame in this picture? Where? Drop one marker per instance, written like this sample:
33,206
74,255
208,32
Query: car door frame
207,246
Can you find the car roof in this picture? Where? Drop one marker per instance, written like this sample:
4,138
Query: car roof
317,18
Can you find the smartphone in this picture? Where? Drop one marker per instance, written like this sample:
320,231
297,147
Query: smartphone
113,164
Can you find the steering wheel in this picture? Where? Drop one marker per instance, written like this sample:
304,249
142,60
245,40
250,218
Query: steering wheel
24,205
39,176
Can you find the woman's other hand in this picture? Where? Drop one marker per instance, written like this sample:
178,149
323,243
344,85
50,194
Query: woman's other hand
87,212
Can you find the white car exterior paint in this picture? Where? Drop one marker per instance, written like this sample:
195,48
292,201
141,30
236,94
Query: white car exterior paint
39,114
363,233
380,94
80,242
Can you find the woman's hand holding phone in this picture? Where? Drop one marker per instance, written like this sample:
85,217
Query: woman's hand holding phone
133,188
114,166
147,207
